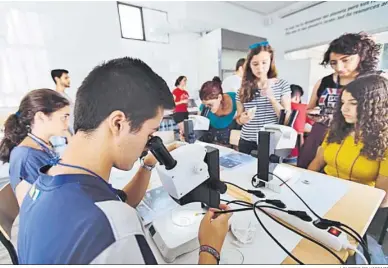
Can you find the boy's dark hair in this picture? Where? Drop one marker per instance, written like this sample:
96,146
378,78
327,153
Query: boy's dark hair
295,89
58,73
18,124
125,84
240,63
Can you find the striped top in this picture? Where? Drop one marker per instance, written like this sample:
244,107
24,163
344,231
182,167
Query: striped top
265,113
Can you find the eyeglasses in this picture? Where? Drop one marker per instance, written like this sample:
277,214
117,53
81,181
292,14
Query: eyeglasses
261,44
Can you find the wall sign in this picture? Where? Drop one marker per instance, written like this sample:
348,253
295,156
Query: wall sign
335,16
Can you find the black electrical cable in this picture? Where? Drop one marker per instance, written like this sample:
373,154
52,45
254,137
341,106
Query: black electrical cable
273,238
364,247
257,193
260,207
312,211
357,234
329,222
297,232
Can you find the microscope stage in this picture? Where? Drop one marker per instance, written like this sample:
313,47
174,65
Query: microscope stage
176,232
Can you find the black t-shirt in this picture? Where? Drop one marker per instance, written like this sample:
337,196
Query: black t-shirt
328,94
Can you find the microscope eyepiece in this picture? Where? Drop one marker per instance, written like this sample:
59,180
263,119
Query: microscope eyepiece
157,148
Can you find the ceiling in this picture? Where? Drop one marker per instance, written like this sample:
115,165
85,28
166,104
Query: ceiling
263,7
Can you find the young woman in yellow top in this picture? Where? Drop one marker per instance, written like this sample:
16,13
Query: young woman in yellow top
356,147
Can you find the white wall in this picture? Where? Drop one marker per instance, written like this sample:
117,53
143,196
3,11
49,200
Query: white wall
36,37
229,58
209,57
295,72
372,20
221,14
347,20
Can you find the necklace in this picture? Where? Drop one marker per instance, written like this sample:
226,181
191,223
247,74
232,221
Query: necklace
352,166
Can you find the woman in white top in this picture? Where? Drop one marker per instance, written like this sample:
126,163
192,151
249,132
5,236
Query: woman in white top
262,96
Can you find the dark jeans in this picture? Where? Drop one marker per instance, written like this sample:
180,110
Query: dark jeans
246,147
216,135
235,125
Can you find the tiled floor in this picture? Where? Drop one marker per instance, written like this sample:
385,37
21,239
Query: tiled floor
374,231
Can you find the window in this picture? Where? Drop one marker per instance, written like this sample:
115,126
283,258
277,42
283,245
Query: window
143,24
384,57
131,22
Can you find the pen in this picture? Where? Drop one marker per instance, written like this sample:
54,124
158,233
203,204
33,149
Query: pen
284,182
224,211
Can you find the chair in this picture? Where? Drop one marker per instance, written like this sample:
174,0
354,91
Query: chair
234,137
9,209
384,229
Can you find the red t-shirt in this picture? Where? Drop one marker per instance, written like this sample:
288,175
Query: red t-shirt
179,95
299,123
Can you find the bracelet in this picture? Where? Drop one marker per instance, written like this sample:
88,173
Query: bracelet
212,251
145,166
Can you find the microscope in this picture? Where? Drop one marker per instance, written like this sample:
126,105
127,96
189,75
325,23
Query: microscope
195,127
190,174
274,143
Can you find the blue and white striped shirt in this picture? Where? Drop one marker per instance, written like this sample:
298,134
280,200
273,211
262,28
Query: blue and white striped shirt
265,113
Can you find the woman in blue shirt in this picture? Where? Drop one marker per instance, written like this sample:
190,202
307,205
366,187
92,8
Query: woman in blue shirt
42,113
220,108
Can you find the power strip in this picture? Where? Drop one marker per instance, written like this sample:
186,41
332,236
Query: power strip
330,237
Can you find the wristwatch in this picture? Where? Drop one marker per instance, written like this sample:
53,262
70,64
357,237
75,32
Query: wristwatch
145,166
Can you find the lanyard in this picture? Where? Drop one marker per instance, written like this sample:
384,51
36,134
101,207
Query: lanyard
43,145
93,173
55,161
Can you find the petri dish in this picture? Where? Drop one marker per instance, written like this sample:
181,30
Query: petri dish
185,217
231,256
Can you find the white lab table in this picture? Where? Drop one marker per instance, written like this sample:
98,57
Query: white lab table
328,196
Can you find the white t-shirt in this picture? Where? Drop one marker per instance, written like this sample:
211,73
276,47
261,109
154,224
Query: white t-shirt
231,84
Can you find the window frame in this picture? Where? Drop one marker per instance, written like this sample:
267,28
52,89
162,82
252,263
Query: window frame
141,16
144,39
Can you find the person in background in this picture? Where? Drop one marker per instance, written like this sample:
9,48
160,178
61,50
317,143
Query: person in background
118,108
262,92
61,79
296,93
299,122
349,55
233,83
217,79
221,107
356,146
42,113
181,99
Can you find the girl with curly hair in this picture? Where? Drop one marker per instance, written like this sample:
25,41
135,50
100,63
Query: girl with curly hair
350,55
356,146
262,95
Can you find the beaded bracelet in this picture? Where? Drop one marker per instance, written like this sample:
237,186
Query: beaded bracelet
212,251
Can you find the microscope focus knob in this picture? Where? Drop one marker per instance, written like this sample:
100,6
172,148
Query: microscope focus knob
198,169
